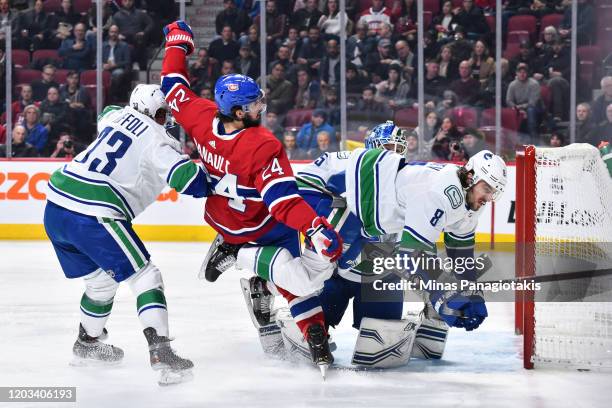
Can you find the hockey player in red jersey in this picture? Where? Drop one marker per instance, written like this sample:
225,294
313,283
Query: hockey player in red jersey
256,197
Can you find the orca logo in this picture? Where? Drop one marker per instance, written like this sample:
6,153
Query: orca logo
488,156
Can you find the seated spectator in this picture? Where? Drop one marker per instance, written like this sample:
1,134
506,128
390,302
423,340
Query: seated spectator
35,27
67,147
289,142
447,135
41,86
227,67
356,81
323,145
237,19
462,47
549,36
293,43
313,49
36,134
412,152
378,61
449,101
276,25
585,23
54,113
483,66
279,92
162,12
473,142
448,66
284,57
466,88
252,40
307,90
331,105
329,23
329,69
77,52
135,27
307,17
603,131
224,48
65,20
307,136
8,16
368,110
79,116
25,99
526,56
584,124
556,140
19,146
555,68
472,19
524,96
600,103
434,85
359,45
247,63
206,93
394,91
375,16
444,22
117,61
273,125
204,71
406,58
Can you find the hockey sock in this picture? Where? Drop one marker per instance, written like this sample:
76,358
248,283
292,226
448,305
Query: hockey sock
94,314
306,310
152,311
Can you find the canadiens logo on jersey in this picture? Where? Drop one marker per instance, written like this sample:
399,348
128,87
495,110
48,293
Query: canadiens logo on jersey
233,87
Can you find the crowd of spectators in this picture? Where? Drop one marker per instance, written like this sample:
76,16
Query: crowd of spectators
58,40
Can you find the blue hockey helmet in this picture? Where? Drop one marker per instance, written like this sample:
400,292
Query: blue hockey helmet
385,134
237,90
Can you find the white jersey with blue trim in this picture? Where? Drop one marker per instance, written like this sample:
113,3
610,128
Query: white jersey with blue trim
323,168
124,169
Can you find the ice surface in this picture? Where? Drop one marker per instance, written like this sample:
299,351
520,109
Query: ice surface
39,320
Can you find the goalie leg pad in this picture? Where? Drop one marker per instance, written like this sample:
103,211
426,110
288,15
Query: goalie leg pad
295,345
384,343
431,336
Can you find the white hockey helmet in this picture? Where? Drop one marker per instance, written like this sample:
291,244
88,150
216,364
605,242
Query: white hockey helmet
148,99
491,168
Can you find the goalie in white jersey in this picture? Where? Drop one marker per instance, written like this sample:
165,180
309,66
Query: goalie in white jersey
91,203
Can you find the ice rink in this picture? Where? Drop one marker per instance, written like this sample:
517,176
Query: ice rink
39,314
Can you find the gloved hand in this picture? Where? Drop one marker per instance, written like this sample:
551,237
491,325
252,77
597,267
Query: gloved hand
460,309
324,239
179,34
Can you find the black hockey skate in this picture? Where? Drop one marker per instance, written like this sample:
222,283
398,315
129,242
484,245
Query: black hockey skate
261,300
221,256
89,350
174,369
318,343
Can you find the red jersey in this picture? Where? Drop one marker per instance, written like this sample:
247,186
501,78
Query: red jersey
251,175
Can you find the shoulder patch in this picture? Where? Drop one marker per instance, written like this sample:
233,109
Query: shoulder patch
343,154
454,196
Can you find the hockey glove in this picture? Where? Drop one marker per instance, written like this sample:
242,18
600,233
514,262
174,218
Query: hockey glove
324,239
460,309
179,34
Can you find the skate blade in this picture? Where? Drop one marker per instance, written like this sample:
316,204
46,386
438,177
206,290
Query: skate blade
89,362
172,377
323,368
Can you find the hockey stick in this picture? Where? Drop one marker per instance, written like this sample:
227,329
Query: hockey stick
337,201
557,277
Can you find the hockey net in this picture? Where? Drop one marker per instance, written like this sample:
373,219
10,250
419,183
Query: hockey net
563,235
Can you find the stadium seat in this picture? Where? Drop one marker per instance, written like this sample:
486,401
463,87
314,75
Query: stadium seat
82,6
27,76
297,117
511,51
518,36
509,118
509,140
91,90
523,23
50,6
464,116
546,96
427,17
491,23
407,117
431,5
589,53
550,20
61,75
89,78
21,58
457,3
586,76
46,54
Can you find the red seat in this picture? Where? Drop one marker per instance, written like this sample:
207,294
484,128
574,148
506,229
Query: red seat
518,36
546,97
89,77
431,5
509,140
589,53
61,75
427,17
52,5
511,51
586,75
407,117
82,6
491,23
509,118
523,23
464,116
21,58
551,20
457,3
27,76
46,54
91,90
297,117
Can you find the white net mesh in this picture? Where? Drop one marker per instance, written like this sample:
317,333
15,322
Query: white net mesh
573,318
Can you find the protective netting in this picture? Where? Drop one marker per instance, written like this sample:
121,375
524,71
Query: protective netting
573,318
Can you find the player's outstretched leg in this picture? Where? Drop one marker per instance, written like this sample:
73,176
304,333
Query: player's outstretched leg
220,257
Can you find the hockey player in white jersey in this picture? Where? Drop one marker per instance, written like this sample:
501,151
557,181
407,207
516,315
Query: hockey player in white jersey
417,201
91,203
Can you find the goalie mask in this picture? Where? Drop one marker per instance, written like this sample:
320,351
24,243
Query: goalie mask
490,168
148,99
386,136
